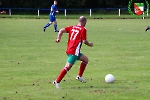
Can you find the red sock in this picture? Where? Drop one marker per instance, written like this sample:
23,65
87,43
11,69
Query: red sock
62,74
82,68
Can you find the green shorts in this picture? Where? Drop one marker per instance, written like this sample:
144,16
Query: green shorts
73,58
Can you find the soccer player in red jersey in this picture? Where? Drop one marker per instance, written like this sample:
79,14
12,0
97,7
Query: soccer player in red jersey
76,36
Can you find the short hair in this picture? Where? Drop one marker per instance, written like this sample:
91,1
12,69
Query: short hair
82,19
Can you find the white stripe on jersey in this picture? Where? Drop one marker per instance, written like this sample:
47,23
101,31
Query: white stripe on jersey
78,49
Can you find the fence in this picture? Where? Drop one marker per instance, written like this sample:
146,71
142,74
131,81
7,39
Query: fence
38,11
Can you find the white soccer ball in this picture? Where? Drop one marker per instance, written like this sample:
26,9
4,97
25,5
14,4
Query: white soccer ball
109,78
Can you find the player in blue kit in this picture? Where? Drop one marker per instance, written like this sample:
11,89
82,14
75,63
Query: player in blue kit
148,27
52,17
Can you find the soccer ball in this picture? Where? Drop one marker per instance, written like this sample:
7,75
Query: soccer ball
109,78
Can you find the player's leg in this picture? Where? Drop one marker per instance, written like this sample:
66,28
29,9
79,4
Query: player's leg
62,74
55,26
84,62
48,24
147,28
64,71
70,61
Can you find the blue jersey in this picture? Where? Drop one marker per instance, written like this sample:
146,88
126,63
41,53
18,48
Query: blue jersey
53,10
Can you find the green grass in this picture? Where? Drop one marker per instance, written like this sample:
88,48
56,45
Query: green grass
30,60
75,16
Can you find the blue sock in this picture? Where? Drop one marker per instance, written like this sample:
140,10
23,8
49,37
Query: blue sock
148,27
55,26
46,25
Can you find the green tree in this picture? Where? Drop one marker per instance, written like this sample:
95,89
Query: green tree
66,3
71,3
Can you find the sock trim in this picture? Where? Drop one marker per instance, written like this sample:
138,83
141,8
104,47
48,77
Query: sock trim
66,69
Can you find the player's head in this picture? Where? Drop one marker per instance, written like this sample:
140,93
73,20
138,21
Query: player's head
82,21
55,2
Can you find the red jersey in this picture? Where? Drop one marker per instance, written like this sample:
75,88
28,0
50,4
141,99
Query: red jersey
76,34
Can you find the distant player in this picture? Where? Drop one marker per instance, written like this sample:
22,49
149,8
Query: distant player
76,36
147,28
52,17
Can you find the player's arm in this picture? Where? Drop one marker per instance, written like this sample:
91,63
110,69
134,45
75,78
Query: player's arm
55,10
85,41
63,30
88,43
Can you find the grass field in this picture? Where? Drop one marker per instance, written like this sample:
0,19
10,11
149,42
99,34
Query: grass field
75,16
30,60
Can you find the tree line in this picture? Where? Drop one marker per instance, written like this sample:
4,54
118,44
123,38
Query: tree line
66,3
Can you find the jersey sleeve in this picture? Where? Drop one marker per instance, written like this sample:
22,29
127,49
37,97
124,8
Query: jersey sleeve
68,29
84,34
